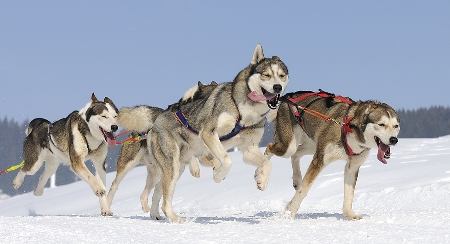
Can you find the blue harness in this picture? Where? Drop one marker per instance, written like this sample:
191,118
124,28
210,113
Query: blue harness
237,128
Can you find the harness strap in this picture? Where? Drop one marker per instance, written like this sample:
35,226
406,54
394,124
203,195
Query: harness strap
140,137
51,138
298,115
345,130
182,119
237,128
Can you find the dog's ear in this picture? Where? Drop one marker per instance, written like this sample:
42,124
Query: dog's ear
200,85
213,83
93,98
258,54
107,100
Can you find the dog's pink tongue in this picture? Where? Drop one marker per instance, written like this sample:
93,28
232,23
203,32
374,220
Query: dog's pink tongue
255,97
382,148
111,142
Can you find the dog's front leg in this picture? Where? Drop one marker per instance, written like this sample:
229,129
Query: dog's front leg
213,143
253,156
80,169
350,176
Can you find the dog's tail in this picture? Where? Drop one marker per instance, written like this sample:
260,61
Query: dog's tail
36,123
139,118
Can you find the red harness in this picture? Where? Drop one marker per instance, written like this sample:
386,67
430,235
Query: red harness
298,115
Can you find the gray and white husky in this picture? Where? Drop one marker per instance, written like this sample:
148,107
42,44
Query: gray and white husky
83,135
331,128
137,152
233,115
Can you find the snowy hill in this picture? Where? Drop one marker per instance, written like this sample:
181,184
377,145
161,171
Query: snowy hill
405,201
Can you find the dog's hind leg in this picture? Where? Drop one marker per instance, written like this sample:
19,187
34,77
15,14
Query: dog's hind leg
313,171
153,177
350,176
157,194
156,198
50,168
121,172
167,154
33,159
253,156
170,176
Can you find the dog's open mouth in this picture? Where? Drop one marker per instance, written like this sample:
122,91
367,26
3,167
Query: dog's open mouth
109,137
384,151
270,98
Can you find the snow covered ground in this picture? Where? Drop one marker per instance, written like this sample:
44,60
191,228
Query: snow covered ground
405,201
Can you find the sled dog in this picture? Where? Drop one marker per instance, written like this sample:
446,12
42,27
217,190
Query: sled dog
233,115
137,152
331,128
83,135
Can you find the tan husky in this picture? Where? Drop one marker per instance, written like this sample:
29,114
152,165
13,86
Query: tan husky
331,128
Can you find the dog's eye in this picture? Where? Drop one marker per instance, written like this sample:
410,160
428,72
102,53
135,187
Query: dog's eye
282,75
265,75
395,126
382,125
104,116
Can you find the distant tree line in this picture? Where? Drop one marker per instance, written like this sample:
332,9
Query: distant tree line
424,122
418,123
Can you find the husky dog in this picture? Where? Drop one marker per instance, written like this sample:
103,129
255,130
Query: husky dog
233,115
137,152
331,128
83,135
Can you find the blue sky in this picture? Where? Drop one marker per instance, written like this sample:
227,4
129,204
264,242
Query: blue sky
54,54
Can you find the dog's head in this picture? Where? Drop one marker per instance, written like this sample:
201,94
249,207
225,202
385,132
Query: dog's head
101,118
268,79
197,92
381,126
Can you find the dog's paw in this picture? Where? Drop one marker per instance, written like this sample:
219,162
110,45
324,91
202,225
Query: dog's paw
262,177
107,212
38,192
267,152
291,210
286,215
100,192
296,184
195,170
156,216
220,173
145,207
350,215
17,183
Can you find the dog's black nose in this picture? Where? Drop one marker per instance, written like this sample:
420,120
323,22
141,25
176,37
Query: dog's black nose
393,140
277,88
114,128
